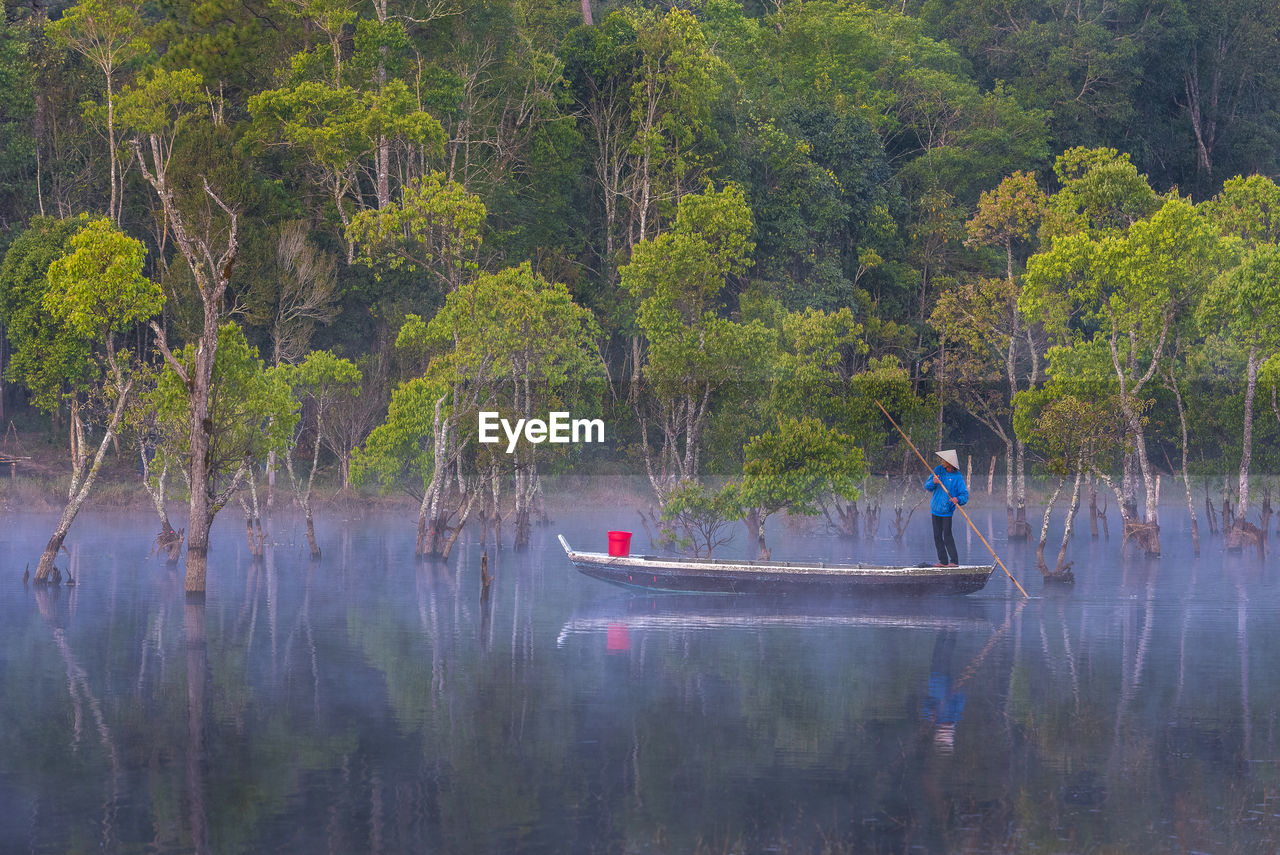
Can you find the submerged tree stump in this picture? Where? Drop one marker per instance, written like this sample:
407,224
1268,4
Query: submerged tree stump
648,532
1101,516
871,521
1265,522
850,522
169,542
1145,534
1062,578
1244,533
900,523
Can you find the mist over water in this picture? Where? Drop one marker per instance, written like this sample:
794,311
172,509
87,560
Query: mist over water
371,703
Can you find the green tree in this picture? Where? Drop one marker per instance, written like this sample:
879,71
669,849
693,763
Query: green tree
644,83
109,35
824,369
94,292
320,382
252,414
1073,434
934,120
435,227
159,110
1248,211
700,518
1230,83
509,342
1242,303
1101,192
821,192
17,137
821,371
349,106
41,355
1127,289
992,354
795,467
402,451
696,358
1082,64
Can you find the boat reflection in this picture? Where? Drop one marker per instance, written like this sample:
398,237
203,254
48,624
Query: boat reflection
617,618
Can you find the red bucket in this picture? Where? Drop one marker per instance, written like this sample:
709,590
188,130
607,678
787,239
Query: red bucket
618,638
620,543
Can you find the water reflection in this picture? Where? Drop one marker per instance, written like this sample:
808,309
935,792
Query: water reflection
372,703
944,705
197,667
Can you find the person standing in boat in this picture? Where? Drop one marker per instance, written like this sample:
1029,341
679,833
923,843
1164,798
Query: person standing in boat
949,490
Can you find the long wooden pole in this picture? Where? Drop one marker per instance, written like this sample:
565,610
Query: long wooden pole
958,507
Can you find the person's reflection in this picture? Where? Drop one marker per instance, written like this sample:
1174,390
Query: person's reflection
943,706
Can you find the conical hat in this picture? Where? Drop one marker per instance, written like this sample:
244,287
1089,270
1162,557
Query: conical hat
950,456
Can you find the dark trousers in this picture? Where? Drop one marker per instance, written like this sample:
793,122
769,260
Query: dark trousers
945,541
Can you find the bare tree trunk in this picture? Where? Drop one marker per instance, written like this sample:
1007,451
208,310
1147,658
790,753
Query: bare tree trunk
1246,451
755,528
1186,477
384,170
250,544
1111,485
200,517
116,203
421,540
311,534
1129,487
4,361
1146,532
82,479
525,471
253,532
586,13
431,514
1265,521
1210,514
1010,522
1060,568
168,540
1044,529
1151,480
1093,507
1021,526
457,529
302,490
495,488
271,478
212,276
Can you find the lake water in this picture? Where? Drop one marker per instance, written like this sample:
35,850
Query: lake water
369,703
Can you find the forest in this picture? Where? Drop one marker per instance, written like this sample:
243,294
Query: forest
256,239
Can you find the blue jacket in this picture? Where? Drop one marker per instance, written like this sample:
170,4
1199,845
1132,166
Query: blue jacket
940,505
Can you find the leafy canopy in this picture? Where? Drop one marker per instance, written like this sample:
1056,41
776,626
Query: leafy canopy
98,287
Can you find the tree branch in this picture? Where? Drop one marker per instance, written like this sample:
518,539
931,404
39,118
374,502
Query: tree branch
169,358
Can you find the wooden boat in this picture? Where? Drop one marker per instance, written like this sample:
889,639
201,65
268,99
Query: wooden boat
709,575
